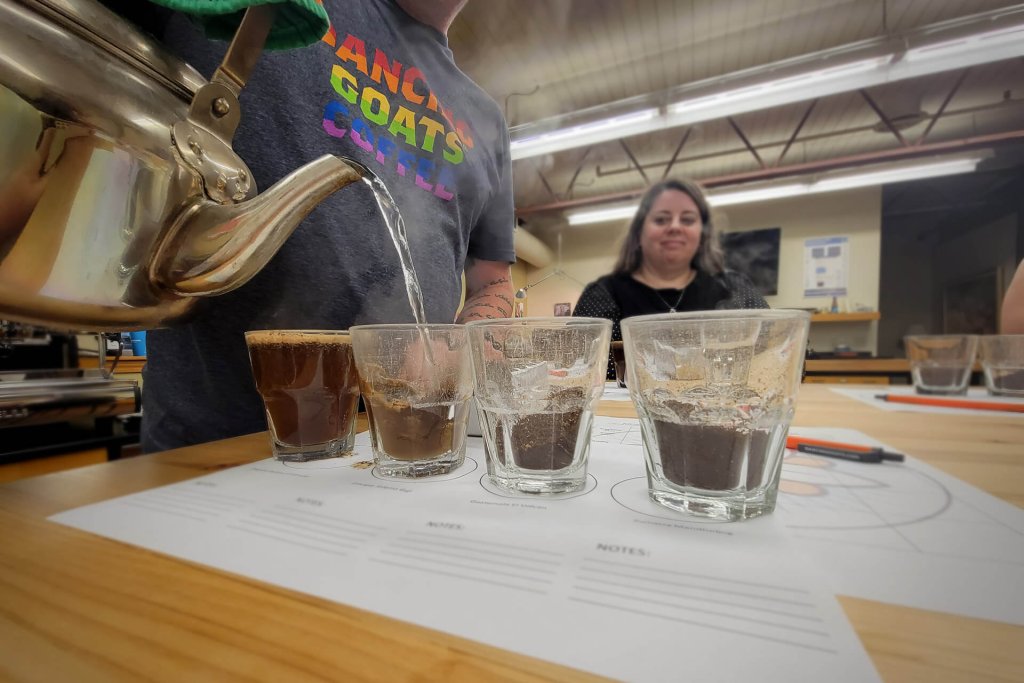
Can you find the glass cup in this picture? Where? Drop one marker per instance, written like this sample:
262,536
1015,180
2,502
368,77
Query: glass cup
538,381
619,361
715,393
417,382
1002,359
941,363
310,391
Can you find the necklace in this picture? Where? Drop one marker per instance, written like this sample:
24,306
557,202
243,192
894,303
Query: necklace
672,307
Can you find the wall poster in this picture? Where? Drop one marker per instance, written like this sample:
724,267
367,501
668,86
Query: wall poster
826,266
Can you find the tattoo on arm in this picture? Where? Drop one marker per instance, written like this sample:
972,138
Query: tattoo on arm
478,316
482,304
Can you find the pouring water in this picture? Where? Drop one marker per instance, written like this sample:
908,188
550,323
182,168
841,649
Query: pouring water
396,228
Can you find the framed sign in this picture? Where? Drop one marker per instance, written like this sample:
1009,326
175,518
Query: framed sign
826,266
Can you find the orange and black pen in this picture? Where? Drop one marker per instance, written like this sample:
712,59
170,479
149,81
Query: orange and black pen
952,403
843,451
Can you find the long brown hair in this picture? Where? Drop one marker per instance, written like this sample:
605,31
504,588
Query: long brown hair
708,259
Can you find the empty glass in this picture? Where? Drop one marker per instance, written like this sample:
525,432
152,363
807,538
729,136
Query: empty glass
941,363
715,393
1002,359
537,383
417,383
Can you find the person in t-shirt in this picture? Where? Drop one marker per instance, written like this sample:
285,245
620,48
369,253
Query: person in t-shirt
382,88
670,261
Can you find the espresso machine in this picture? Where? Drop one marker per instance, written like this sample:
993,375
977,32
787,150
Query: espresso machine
50,405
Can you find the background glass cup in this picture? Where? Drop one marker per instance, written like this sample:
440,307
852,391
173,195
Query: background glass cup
619,361
715,393
537,383
941,363
310,391
1002,359
417,382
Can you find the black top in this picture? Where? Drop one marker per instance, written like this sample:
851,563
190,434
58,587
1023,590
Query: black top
619,296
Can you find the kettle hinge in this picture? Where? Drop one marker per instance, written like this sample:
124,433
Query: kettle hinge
203,138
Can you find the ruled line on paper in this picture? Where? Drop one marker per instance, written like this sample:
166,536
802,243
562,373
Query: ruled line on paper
175,512
478,579
766,610
292,540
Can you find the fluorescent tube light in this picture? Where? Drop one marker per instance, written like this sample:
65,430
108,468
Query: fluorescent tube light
588,133
830,183
745,196
806,86
613,213
896,175
932,49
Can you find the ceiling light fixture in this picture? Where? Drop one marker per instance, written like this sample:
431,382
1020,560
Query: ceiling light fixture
814,185
956,44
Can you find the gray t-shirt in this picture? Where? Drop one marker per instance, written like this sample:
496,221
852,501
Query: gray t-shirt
380,88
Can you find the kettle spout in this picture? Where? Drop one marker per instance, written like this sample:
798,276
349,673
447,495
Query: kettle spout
215,248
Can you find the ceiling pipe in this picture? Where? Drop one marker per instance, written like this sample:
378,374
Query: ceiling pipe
852,161
532,250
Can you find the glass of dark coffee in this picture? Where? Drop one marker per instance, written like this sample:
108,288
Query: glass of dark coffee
310,391
417,384
715,394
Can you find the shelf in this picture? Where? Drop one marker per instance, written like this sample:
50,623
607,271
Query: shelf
858,365
128,365
845,317
891,366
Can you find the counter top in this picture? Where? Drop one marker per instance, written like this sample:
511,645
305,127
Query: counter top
81,607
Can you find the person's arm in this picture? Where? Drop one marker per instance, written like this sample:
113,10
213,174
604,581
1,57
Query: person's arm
488,290
1012,317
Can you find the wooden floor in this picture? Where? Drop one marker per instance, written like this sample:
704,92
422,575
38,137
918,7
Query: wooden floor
54,463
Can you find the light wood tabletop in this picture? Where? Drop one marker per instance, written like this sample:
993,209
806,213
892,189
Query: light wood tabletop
77,607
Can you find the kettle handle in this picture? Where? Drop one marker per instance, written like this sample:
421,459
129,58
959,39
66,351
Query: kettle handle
245,48
203,138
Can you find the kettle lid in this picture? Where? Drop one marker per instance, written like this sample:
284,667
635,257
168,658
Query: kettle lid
98,25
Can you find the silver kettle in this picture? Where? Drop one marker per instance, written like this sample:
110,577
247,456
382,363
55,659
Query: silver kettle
121,199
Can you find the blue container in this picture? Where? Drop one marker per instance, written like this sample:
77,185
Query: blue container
139,343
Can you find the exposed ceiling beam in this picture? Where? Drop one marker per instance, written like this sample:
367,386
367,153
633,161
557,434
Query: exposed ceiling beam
602,172
851,161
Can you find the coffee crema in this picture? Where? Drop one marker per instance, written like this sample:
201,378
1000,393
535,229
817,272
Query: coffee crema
308,382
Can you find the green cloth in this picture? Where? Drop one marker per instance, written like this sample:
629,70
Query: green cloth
297,23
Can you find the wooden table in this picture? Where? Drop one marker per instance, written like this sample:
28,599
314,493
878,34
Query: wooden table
77,607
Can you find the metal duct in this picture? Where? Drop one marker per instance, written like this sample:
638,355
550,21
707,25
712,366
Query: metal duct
532,250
